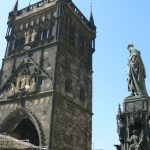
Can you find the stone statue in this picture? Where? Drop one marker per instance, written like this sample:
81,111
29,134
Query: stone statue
135,141
18,82
27,82
23,82
11,92
121,125
136,73
33,85
33,35
27,37
121,130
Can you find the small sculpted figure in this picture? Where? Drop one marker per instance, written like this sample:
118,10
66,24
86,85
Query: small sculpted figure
136,73
18,82
135,141
27,86
33,35
11,92
23,82
27,37
33,85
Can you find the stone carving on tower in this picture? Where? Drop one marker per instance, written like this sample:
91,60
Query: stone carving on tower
133,122
24,80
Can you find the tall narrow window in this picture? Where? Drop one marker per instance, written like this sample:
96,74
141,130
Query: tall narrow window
82,95
44,34
68,86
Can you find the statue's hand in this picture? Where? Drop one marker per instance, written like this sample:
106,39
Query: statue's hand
128,140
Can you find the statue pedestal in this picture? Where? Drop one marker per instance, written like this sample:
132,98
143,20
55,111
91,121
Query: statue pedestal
134,123
136,103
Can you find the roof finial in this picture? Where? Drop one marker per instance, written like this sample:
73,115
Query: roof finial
91,17
91,7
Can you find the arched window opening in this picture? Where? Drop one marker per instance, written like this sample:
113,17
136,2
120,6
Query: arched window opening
45,34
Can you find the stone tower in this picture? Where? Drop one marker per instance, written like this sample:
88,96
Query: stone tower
46,76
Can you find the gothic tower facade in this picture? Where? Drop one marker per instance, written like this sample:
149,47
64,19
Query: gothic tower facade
46,76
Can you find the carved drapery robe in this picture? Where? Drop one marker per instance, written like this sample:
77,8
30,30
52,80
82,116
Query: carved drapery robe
136,74
11,92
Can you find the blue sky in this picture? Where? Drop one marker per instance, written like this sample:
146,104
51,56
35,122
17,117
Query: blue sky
118,22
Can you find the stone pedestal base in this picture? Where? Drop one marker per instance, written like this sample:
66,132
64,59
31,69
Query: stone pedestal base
136,103
133,123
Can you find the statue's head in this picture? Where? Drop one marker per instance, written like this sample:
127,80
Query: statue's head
135,132
12,84
130,47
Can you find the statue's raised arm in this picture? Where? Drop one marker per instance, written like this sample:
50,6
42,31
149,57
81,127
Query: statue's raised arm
136,73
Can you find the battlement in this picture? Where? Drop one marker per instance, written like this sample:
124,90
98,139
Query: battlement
33,7
78,13
42,5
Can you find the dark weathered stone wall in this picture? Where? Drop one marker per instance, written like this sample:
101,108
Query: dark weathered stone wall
37,108
72,109
72,68
72,125
39,104
46,75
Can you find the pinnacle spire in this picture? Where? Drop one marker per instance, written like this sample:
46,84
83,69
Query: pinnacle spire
92,18
15,8
119,110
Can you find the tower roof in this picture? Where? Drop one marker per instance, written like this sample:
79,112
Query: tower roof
92,19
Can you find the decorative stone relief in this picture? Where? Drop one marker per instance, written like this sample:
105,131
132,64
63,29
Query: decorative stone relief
130,106
135,118
7,106
135,141
43,18
33,35
26,80
32,23
27,37
26,25
25,83
28,32
21,27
